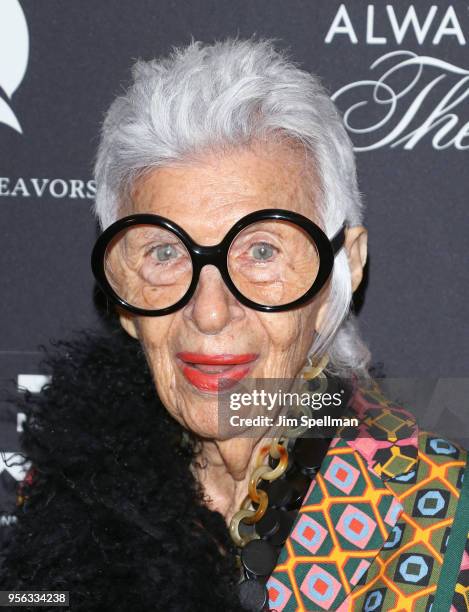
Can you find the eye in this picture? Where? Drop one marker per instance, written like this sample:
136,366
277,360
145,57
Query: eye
164,252
262,251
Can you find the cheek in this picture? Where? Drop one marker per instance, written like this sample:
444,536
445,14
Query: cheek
289,329
155,337
153,333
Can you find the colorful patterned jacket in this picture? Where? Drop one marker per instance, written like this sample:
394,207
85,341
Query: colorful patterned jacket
377,530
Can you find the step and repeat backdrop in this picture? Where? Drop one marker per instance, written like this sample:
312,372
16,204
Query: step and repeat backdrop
399,73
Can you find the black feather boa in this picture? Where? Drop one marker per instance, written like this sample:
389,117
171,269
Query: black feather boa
113,514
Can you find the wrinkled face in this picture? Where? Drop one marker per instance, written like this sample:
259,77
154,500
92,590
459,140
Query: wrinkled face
206,198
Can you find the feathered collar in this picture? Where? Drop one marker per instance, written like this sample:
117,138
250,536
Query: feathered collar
112,512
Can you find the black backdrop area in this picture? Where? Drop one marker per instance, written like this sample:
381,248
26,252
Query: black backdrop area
61,64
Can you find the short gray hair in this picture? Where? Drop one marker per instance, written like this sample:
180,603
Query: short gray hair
232,93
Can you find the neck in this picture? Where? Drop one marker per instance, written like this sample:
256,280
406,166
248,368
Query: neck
224,469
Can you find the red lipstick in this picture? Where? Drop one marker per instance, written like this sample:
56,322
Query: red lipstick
215,372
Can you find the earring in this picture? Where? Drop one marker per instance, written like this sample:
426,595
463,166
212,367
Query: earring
315,369
316,382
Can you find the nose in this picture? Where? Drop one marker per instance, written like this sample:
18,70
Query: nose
212,307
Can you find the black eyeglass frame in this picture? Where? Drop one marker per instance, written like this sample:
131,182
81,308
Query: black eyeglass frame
217,255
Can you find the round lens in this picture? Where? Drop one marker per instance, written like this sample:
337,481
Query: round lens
148,266
273,262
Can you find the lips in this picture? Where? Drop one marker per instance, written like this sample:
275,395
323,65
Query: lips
213,373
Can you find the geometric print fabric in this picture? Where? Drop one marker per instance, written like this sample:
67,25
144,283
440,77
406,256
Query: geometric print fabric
373,528
344,521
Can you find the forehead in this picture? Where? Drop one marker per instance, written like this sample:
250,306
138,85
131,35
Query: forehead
207,195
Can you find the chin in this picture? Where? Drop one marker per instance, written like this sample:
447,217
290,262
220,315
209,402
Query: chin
203,430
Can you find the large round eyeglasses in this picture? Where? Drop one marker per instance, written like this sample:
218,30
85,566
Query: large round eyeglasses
271,260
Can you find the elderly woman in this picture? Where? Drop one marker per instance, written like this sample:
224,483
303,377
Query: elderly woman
232,244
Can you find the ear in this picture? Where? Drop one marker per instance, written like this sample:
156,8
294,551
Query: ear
356,245
128,322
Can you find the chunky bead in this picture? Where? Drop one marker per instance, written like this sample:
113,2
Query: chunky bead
259,557
253,595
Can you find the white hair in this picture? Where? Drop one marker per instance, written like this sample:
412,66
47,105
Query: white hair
232,93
